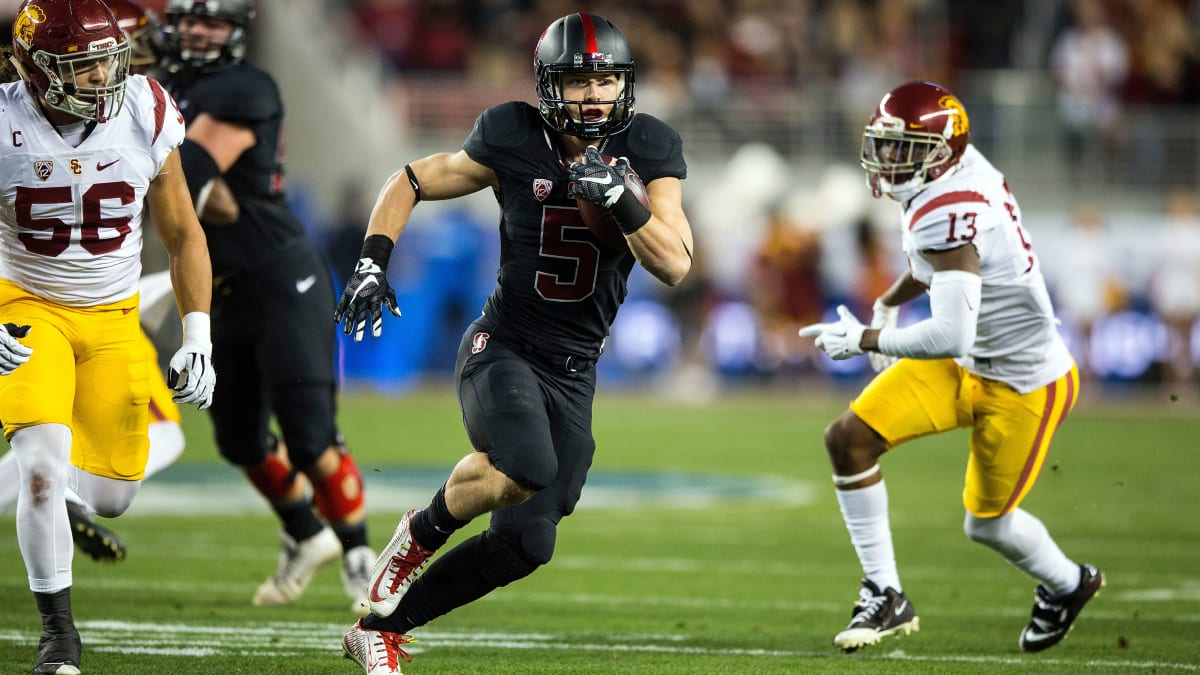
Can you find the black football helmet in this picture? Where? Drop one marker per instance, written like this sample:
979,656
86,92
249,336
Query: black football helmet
176,56
55,41
582,43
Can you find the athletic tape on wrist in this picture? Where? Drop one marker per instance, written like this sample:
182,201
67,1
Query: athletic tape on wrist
629,213
378,247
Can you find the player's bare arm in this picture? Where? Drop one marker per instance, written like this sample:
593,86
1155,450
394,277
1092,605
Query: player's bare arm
213,146
221,207
177,226
439,176
664,245
903,289
223,141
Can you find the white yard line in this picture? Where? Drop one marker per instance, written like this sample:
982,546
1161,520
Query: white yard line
288,640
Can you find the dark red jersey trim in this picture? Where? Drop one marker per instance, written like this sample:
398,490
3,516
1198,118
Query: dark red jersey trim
959,197
160,108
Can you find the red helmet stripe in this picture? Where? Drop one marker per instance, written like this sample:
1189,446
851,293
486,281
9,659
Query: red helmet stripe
589,33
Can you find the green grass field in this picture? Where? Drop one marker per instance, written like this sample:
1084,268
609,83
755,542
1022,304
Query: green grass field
708,541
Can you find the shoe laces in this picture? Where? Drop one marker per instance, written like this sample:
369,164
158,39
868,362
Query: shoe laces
403,567
1048,604
389,647
869,605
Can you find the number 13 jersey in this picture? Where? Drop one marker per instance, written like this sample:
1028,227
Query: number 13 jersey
1017,340
71,217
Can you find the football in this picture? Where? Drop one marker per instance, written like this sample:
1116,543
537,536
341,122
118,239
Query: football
599,219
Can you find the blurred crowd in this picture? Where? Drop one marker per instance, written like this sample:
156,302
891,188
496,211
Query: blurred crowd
777,250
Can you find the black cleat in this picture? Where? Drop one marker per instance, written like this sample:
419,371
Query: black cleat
95,540
59,653
59,649
1053,616
877,615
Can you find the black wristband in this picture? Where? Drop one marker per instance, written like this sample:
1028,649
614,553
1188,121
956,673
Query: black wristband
378,247
629,213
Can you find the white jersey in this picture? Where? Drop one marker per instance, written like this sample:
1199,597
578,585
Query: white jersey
1017,339
71,217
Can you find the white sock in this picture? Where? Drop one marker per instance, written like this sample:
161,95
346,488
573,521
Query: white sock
10,481
1026,543
43,456
865,511
166,445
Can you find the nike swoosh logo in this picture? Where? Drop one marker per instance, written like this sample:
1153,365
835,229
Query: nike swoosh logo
1036,636
375,596
602,181
968,301
900,608
302,285
101,167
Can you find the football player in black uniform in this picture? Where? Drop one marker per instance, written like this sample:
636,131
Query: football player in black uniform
272,292
525,367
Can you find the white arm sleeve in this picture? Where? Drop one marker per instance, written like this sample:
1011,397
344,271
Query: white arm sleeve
954,298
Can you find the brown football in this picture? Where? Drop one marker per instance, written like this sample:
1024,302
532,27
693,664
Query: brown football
600,220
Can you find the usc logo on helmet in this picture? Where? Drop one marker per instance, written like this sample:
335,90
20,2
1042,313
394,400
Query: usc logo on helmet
27,22
958,115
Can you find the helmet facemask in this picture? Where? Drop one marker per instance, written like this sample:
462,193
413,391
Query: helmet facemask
184,53
62,73
567,116
901,163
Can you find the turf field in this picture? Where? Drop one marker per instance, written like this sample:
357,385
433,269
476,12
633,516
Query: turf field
708,541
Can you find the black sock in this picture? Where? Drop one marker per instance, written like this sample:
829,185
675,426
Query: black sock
55,609
454,579
298,519
434,525
352,536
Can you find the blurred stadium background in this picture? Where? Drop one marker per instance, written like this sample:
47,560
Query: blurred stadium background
1088,106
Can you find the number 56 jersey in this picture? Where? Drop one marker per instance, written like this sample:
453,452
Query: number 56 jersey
71,217
1017,340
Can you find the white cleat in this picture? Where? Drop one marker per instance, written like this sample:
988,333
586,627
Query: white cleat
378,652
356,576
397,567
297,565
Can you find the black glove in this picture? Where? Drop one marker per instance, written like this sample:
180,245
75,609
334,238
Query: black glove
367,291
595,181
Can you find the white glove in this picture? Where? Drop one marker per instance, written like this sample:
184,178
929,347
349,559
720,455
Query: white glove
840,339
191,375
883,316
12,352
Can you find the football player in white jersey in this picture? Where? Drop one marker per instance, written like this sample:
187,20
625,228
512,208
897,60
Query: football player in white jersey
82,143
989,359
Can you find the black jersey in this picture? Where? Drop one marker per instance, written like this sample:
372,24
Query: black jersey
243,93
558,287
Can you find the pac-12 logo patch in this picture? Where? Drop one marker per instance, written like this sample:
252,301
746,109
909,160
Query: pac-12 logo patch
43,168
479,342
542,188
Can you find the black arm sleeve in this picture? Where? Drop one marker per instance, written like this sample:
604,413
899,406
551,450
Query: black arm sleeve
198,167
